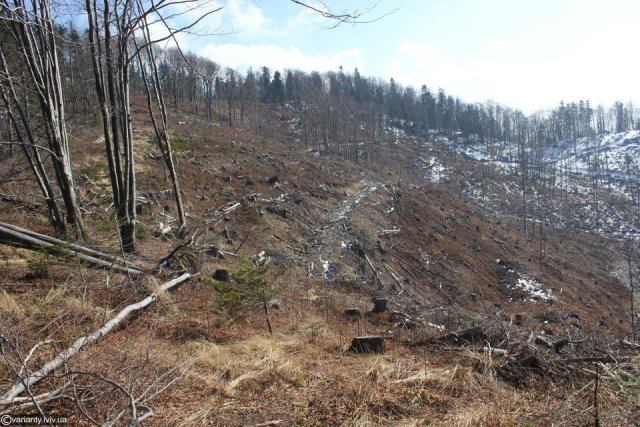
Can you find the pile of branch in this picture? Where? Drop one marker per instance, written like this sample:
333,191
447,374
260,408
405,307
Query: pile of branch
517,360
19,237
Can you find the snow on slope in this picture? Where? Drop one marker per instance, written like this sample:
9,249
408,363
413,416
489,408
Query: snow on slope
613,149
591,180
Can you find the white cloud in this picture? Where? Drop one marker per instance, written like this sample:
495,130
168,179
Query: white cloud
504,44
245,16
518,78
276,57
417,63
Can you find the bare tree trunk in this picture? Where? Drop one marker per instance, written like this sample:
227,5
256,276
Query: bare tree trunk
32,154
161,132
633,317
112,88
35,36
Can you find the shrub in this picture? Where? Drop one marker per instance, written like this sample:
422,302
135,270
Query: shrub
251,286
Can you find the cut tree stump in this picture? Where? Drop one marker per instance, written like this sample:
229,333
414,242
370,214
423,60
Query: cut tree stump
368,344
379,305
353,312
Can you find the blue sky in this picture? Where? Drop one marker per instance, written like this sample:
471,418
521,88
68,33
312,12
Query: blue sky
528,54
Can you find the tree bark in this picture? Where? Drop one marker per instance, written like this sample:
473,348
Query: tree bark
16,238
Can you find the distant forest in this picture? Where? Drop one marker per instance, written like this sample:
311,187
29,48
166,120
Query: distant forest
53,77
325,99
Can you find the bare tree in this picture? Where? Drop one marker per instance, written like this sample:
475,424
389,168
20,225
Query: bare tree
160,128
26,140
113,26
33,30
629,251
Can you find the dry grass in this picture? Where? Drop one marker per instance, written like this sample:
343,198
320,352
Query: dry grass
9,306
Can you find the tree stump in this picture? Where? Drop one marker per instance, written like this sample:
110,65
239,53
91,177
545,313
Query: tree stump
353,312
368,344
379,305
221,275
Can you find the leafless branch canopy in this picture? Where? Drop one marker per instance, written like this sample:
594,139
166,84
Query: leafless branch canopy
345,16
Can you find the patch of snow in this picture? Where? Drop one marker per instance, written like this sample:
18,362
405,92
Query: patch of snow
533,287
263,258
325,268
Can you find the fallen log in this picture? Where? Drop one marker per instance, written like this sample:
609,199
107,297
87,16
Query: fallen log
630,344
375,272
495,351
69,245
19,239
61,358
387,232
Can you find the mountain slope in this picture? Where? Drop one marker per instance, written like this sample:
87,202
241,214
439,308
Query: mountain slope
405,230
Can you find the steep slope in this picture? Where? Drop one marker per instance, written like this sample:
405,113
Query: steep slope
342,234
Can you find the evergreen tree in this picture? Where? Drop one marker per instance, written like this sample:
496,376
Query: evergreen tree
265,85
277,88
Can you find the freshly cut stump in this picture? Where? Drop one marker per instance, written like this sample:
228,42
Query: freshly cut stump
368,344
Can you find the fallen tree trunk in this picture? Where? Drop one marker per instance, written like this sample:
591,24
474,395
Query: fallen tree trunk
15,236
23,383
81,249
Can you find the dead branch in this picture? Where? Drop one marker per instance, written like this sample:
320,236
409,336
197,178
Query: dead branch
23,383
375,272
28,403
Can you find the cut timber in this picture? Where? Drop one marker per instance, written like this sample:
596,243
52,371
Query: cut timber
17,236
20,239
61,358
375,272
387,232
231,208
368,344
496,351
379,305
